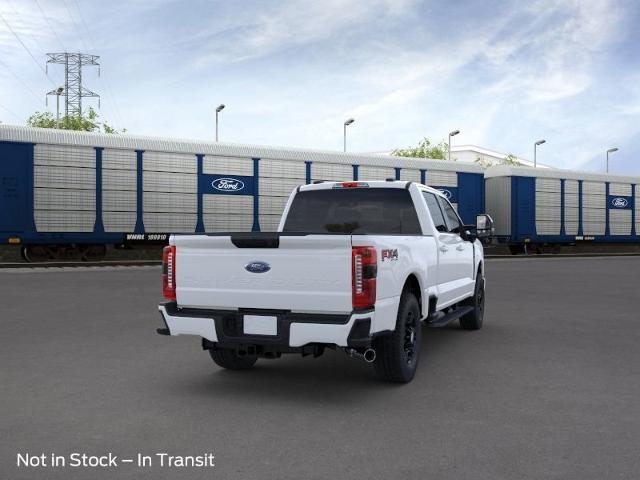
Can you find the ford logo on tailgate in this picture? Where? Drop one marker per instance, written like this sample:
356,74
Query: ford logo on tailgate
619,202
257,267
228,184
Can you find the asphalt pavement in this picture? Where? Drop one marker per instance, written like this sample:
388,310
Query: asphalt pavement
548,389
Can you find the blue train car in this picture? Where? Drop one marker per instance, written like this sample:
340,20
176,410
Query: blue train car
534,208
67,191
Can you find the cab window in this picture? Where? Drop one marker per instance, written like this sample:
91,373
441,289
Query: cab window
360,211
454,225
435,211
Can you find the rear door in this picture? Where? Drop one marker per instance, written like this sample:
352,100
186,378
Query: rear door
14,186
463,250
447,254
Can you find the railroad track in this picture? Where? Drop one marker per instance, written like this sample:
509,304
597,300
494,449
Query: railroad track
59,264
566,255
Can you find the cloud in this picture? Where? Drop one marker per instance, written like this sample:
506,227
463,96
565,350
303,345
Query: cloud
291,71
290,23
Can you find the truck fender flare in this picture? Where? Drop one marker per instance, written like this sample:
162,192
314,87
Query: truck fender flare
413,283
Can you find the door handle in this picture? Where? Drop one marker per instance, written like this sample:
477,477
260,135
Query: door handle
444,249
460,248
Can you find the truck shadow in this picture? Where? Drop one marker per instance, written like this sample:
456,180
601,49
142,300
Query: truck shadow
334,377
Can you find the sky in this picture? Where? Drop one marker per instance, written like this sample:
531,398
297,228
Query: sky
505,73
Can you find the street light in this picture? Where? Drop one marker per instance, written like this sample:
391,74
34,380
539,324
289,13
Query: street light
452,134
535,146
347,122
59,91
611,150
218,110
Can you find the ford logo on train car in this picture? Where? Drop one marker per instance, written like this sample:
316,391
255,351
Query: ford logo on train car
446,193
257,267
228,184
619,202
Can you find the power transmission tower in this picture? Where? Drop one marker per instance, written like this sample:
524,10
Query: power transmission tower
73,91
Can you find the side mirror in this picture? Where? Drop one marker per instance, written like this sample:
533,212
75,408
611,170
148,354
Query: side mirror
469,233
484,228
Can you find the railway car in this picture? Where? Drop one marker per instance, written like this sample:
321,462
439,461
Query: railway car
64,191
537,210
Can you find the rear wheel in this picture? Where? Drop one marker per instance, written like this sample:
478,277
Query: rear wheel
230,359
473,320
398,354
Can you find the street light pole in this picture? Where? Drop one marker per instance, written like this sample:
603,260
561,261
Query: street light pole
218,110
58,93
535,146
452,134
611,150
346,123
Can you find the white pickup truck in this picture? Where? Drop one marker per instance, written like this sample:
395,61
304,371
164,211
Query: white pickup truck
354,265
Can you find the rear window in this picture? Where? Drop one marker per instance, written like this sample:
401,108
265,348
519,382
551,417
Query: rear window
382,211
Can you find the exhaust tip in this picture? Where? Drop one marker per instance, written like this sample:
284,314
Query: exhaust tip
369,355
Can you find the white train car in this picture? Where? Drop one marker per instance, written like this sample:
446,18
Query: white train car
533,208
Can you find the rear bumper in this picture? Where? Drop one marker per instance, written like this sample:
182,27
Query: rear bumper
225,328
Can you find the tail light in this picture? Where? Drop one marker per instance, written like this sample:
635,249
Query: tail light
365,269
169,273
351,185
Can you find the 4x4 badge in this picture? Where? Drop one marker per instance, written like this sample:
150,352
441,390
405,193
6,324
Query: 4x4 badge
389,254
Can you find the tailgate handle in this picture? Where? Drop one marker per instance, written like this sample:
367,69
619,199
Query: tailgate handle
256,241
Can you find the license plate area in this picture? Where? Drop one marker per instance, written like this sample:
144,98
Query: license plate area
260,325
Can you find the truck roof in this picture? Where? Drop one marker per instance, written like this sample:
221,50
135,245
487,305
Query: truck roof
322,185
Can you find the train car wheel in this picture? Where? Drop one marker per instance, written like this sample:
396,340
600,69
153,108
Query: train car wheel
93,253
36,253
516,249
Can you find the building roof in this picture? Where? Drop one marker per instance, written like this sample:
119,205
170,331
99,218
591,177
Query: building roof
477,151
492,153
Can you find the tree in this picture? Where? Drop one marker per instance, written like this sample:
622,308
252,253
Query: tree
425,149
510,159
88,123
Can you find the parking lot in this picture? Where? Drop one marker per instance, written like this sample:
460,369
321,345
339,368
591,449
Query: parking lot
550,387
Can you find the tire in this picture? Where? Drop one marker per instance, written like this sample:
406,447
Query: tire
473,320
230,360
398,354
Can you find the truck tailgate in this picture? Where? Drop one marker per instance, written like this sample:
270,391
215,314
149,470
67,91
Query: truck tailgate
305,273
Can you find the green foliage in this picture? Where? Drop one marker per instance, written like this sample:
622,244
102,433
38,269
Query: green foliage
87,123
425,149
510,159
483,162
